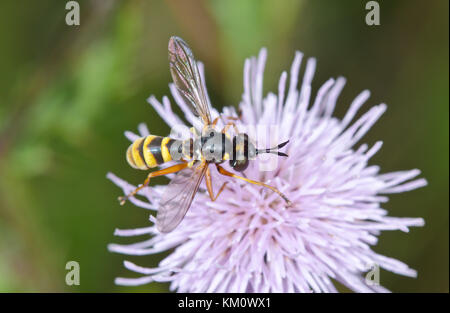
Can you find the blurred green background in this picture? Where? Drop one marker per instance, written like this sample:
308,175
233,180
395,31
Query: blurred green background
67,93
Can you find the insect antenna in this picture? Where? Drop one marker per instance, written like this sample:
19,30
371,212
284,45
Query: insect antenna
274,150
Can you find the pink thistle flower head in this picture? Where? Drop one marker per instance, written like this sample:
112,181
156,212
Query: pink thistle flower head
248,240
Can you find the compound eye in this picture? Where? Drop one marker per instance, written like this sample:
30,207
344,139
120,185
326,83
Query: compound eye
239,165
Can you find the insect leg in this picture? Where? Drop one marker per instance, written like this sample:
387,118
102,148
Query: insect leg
226,173
213,124
210,188
228,125
215,121
235,118
165,171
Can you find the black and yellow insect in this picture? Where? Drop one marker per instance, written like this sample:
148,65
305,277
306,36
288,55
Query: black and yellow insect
148,152
194,154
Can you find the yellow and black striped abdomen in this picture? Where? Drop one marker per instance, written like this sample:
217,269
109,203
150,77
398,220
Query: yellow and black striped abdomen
148,152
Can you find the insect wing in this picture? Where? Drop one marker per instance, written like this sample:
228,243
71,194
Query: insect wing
187,79
177,198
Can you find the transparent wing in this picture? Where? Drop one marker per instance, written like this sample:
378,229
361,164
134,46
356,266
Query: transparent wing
177,197
187,79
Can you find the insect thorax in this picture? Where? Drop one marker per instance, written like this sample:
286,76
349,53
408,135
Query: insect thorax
213,147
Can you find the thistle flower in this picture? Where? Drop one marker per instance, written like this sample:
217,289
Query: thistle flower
248,240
